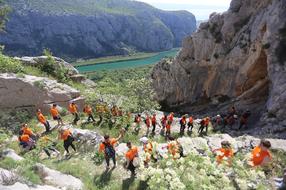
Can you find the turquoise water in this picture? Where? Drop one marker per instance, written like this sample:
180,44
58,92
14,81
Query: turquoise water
127,64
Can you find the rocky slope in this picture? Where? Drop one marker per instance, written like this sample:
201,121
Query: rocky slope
35,92
91,28
237,57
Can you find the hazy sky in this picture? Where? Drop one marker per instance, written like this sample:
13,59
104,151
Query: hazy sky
200,8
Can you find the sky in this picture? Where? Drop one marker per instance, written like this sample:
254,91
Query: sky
200,8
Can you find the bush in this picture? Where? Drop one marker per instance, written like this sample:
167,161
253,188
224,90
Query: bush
40,84
10,65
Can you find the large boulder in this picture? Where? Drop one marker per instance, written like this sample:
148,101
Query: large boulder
10,153
7,177
58,179
42,60
236,58
35,92
21,186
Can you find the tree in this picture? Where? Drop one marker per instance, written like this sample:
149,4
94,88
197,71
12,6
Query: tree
4,10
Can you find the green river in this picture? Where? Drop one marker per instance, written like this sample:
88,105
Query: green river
127,64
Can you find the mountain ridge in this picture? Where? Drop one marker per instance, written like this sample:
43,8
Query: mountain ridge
77,29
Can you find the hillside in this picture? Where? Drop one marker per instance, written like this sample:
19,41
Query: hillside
88,29
235,59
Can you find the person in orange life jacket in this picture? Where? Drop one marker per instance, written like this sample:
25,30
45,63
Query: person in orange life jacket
154,122
42,119
74,110
150,149
130,155
26,142
183,123
175,148
25,130
148,124
171,118
260,155
107,147
67,137
88,110
202,125
164,120
224,153
55,114
243,119
168,129
137,121
191,124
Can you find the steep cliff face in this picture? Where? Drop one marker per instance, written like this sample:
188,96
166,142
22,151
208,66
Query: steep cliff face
92,28
237,57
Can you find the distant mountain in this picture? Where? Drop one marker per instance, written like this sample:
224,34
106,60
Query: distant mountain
92,28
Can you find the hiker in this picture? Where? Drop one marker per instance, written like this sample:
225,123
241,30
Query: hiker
150,150
26,142
207,122
224,153
168,129
232,112
147,123
67,137
171,118
175,148
260,155
107,147
163,123
127,120
183,123
74,110
48,145
120,112
154,122
218,122
42,119
191,124
137,121
25,130
55,114
201,128
130,155
88,110
100,112
244,119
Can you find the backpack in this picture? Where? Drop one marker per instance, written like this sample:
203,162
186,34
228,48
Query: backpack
109,150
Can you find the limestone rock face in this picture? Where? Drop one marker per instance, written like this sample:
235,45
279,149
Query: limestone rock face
21,186
237,57
35,92
57,179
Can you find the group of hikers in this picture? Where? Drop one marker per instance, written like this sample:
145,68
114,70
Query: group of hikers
260,154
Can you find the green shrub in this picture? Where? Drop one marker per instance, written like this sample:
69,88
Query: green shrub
40,84
10,65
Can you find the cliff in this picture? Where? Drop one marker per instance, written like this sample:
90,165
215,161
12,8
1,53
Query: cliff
236,58
92,28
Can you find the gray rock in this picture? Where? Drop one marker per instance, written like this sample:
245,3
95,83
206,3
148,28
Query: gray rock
21,186
7,177
35,92
41,60
9,153
57,179
236,57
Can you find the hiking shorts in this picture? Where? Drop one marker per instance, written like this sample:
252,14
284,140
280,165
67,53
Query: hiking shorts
57,118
